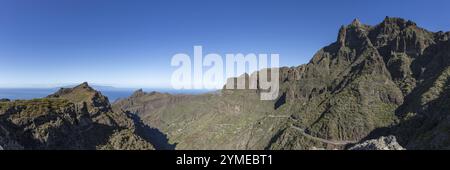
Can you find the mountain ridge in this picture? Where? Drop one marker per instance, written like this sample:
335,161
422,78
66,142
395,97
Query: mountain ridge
72,118
365,81
371,88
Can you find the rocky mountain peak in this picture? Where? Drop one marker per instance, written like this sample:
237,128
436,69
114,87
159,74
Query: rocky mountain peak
78,93
393,28
356,22
84,96
382,143
354,35
72,118
138,93
397,22
83,85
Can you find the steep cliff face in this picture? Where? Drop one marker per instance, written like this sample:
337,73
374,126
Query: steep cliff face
72,118
346,90
390,78
371,77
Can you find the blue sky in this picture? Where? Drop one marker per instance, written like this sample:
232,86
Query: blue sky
129,43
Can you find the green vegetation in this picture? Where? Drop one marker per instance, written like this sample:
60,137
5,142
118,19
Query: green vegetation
388,79
351,88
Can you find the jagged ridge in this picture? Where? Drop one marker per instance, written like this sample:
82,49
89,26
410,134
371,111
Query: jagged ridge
72,118
371,81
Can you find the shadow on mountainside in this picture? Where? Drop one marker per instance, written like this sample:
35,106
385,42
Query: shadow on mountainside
281,100
154,136
423,130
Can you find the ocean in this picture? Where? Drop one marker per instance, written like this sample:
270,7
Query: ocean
112,94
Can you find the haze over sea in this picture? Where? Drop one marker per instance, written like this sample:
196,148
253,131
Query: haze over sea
112,93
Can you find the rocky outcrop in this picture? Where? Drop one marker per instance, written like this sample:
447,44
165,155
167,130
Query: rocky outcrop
382,143
4,100
72,118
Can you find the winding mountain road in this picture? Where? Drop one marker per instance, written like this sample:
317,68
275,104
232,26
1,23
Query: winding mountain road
278,116
333,142
303,132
